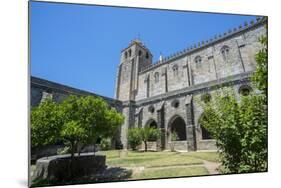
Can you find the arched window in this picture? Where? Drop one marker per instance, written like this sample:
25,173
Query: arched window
126,55
147,55
130,53
177,125
205,133
152,124
156,77
225,53
244,90
140,52
198,59
175,70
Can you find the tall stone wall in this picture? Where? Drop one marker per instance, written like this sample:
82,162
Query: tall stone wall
182,70
40,89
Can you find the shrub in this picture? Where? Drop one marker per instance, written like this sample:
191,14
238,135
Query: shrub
149,134
105,144
145,134
134,138
174,137
240,130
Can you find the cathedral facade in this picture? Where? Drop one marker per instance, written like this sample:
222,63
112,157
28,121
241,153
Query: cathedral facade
165,94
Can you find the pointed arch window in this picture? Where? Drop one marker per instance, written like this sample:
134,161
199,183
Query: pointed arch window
146,55
156,77
225,53
175,70
130,53
198,61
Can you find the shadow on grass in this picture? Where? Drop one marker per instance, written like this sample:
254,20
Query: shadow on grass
110,174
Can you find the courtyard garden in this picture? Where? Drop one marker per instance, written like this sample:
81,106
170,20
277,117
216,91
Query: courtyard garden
238,126
149,165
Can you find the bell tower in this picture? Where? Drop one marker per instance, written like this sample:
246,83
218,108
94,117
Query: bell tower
133,58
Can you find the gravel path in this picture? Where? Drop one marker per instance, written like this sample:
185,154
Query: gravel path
212,167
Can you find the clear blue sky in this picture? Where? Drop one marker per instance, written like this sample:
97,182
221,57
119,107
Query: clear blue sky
79,45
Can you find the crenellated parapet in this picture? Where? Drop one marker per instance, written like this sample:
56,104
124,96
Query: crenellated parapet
205,43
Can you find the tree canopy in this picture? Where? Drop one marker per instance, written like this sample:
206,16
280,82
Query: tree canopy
75,121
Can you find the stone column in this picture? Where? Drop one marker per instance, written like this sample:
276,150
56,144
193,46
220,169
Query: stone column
190,127
128,112
117,81
161,127
46,95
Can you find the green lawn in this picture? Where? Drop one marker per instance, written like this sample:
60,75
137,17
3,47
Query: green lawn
171,172
151,159
162,164
148,165
208,156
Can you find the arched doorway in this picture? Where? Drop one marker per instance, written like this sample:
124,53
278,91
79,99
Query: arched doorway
205,133
177,125
151,123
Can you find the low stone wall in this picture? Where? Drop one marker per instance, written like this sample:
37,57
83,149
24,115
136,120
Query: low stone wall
60,167
151,146
206,145
178,145
44,152
53,150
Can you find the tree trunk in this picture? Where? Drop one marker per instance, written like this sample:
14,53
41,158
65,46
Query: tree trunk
71,171
145,146
72,150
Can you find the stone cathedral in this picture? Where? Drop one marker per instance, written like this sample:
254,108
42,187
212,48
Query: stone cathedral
165,94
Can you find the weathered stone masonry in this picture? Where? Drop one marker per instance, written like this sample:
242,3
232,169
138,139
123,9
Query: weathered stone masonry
165,94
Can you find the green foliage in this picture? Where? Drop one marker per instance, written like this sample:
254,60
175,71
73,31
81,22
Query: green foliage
105,144
93,116
259,78
174,137
73,133
134,138
78,121
46,123
145,134
240,129
205,97
149,133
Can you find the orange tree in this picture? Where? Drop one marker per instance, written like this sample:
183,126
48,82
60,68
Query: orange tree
77,121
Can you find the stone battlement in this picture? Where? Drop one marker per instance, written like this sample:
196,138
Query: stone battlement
206,43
